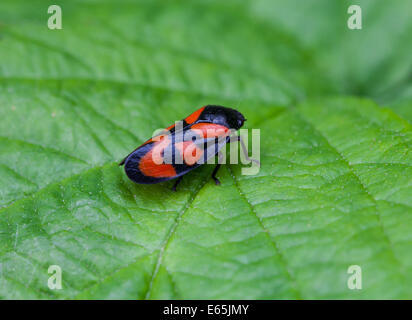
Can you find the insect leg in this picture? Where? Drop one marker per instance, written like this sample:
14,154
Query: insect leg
244,149
219,162
123,161
220,157
176,183
214,174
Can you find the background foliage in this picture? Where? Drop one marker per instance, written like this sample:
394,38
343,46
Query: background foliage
333,106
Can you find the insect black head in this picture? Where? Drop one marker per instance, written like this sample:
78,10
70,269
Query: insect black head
228,117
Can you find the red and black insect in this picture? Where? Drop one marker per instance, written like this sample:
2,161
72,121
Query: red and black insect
201,136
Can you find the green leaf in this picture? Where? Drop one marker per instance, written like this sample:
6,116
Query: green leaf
335,185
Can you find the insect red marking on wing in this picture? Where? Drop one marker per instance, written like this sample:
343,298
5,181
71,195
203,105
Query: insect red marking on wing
189,119
159,137
194,116
210,130
191,153
151,164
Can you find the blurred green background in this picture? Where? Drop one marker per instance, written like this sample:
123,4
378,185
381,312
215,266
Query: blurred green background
334,106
